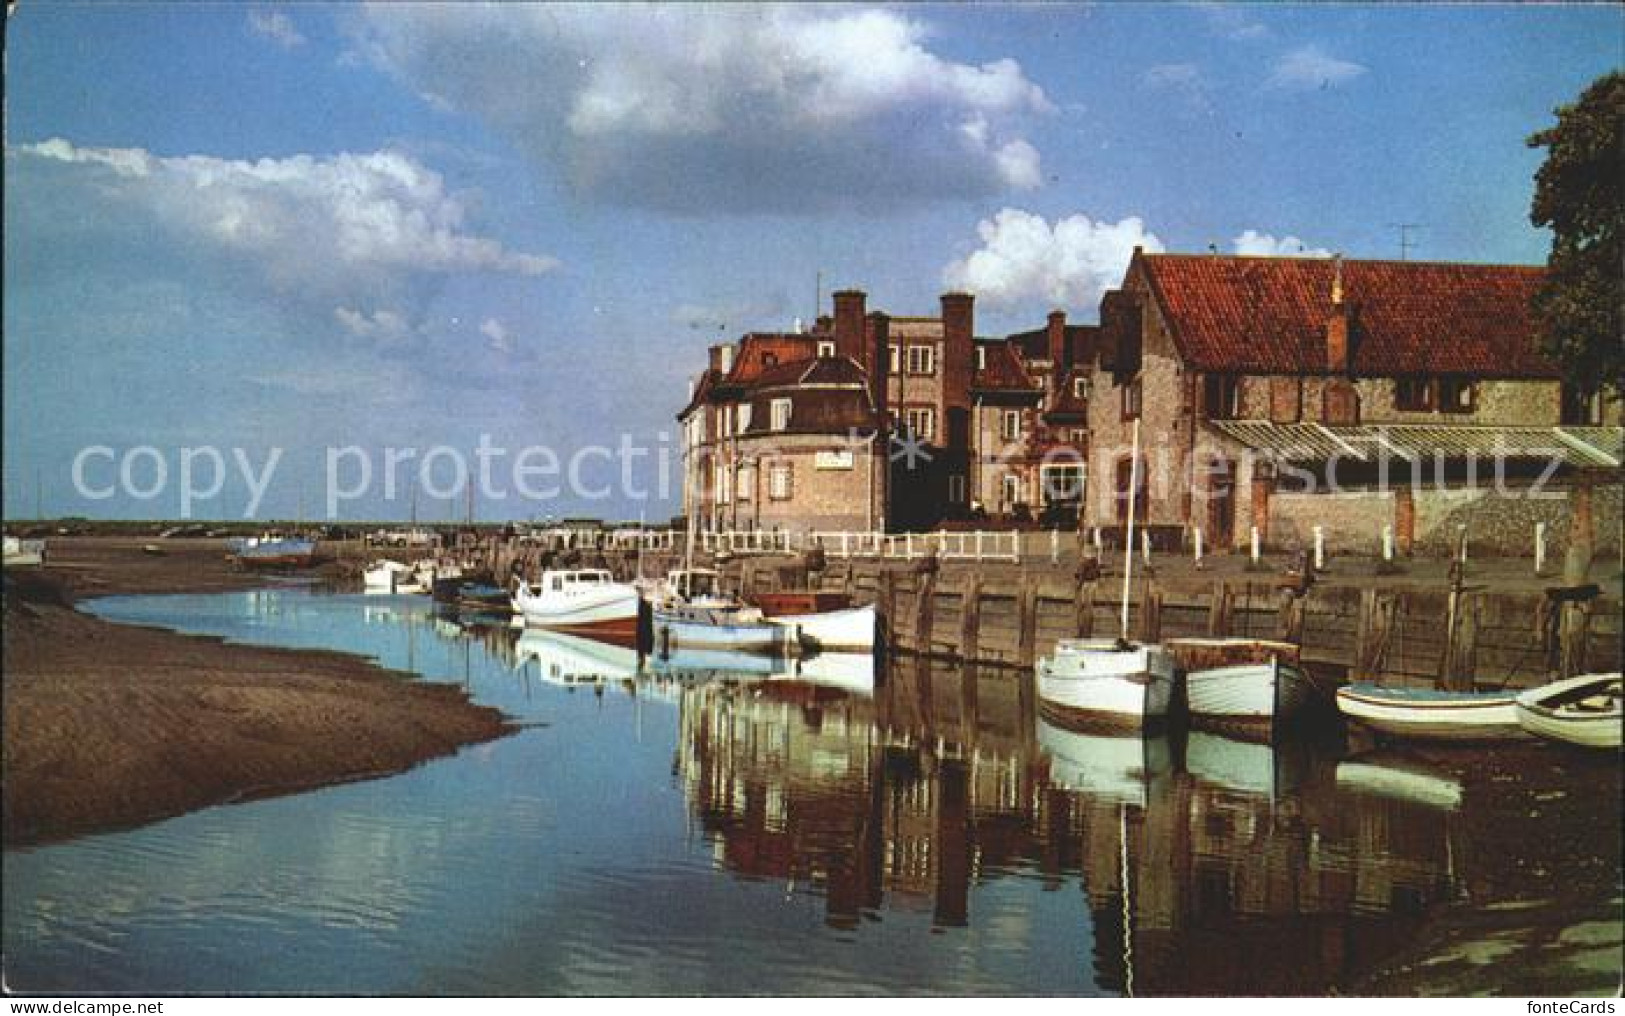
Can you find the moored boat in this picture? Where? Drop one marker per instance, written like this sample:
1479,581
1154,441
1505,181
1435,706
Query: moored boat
1106,683
386,577
690,611
1583,710
1251,688
20,552
271,551
828,621
1426,714
585,601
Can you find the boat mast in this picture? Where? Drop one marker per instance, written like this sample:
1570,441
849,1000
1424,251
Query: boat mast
1128,540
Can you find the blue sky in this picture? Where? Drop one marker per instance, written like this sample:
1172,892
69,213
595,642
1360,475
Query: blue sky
307,226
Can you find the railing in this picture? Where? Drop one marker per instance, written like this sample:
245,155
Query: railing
975,545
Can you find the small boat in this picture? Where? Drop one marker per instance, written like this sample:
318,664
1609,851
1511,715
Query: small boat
1250,688
1106,683
1425,714
827,620
583,601
23,552
386,577
271,550
1582,710
690,611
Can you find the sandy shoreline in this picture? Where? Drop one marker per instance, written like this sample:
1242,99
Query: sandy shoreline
109,726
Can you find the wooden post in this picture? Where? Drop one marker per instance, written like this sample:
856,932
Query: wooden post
1027,618
1574,638
1151,614
924,610
888,606
1540,547
1290,620
970,618
1083,608
1219,610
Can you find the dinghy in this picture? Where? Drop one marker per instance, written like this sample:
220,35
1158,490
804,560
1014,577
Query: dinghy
1109,683
1249,688
1424,714
828,621
1582,710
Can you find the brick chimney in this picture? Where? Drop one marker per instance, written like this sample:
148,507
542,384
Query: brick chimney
879,332
849,334
958,353
1060,351
1338,348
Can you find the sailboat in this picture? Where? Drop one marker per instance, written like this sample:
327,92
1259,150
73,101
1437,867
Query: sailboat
1117,684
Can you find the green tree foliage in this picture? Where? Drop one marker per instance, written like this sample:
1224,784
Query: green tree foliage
1578,194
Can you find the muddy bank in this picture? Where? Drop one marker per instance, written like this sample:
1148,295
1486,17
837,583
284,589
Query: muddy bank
108,726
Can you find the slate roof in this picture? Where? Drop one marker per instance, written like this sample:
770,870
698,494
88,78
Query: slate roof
1269,314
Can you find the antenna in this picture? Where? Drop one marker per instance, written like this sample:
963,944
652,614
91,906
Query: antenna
818,295
1405,241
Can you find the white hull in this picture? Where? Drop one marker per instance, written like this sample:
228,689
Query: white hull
609,608
837,631
1463,717
723,628
1096,683
1579,710
1252,699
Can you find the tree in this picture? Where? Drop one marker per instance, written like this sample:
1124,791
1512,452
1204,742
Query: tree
1578,194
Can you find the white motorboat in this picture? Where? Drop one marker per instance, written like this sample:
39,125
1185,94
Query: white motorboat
1425,714
1582,710
386,577
583,601
1106,683
690,611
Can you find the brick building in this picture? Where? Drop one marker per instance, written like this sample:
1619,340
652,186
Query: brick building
1285,393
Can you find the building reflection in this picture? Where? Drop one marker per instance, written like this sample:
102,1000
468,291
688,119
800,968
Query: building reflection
1207,866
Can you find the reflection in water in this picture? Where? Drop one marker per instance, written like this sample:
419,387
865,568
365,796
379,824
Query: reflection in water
686,822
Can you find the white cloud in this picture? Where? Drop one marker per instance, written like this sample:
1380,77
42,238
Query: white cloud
276,26
1232,21
497,335
1265,245
344,230
1313,67
1024,259
382,327
723,107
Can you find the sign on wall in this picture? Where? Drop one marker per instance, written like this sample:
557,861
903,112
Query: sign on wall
833,460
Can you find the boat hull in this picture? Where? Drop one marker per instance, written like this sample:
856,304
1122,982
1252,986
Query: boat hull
701,628
1099,686
1258,701
1460,717
1554,712
606,613
837,631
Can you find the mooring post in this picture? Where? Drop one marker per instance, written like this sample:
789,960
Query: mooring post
1151,613
1027,618
1145,547
1320,548
1387,543
1218,612
970,618
1054,546
1253,546
1540,547
1196,546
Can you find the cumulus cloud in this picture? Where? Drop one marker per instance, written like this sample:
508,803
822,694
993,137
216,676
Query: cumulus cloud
722,107
1313,67
1025,259
357,237
276,26
1265,245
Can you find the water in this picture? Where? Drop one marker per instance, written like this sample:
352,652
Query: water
709,831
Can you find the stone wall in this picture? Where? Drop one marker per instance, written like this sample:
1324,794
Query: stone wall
1351,522
1504,523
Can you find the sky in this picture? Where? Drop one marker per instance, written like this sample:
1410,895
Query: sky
251,250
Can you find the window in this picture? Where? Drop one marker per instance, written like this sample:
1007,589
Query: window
778,483
1078,436
724,486
922,360
1009,491
1581,408
1221,396
769,359
781,414
981,358
743,418
725,421
1062,482
826,349
1010,425
746,482
896,359
922,422
1455,395
1080,387
1131,400
1413,394
956,488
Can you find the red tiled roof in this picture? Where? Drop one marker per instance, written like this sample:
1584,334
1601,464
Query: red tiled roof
823,370
1003,371
1268,315
759,351
1066,401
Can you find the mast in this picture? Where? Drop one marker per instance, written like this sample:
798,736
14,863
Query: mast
1128,541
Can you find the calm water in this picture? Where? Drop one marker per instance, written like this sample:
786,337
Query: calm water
706,830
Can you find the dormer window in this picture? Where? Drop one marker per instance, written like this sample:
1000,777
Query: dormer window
981,358
826,350
769,359
1010,425
1080,387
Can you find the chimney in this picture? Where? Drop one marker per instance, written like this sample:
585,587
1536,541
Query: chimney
879,331
725,357
849,326
958,354
1337,325
1060,351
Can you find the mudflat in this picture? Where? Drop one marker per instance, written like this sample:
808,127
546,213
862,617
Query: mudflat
109,725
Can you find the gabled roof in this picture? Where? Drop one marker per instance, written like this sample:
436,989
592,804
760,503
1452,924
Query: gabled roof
1066,401
1003,370
760,351
1269,314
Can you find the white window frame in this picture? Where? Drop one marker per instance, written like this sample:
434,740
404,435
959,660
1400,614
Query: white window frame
1010,490
1047,488
896,359
781,409
981,358
780,482
922,359
745,482
742,417
922,421
1010,425
1080,387
826,349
